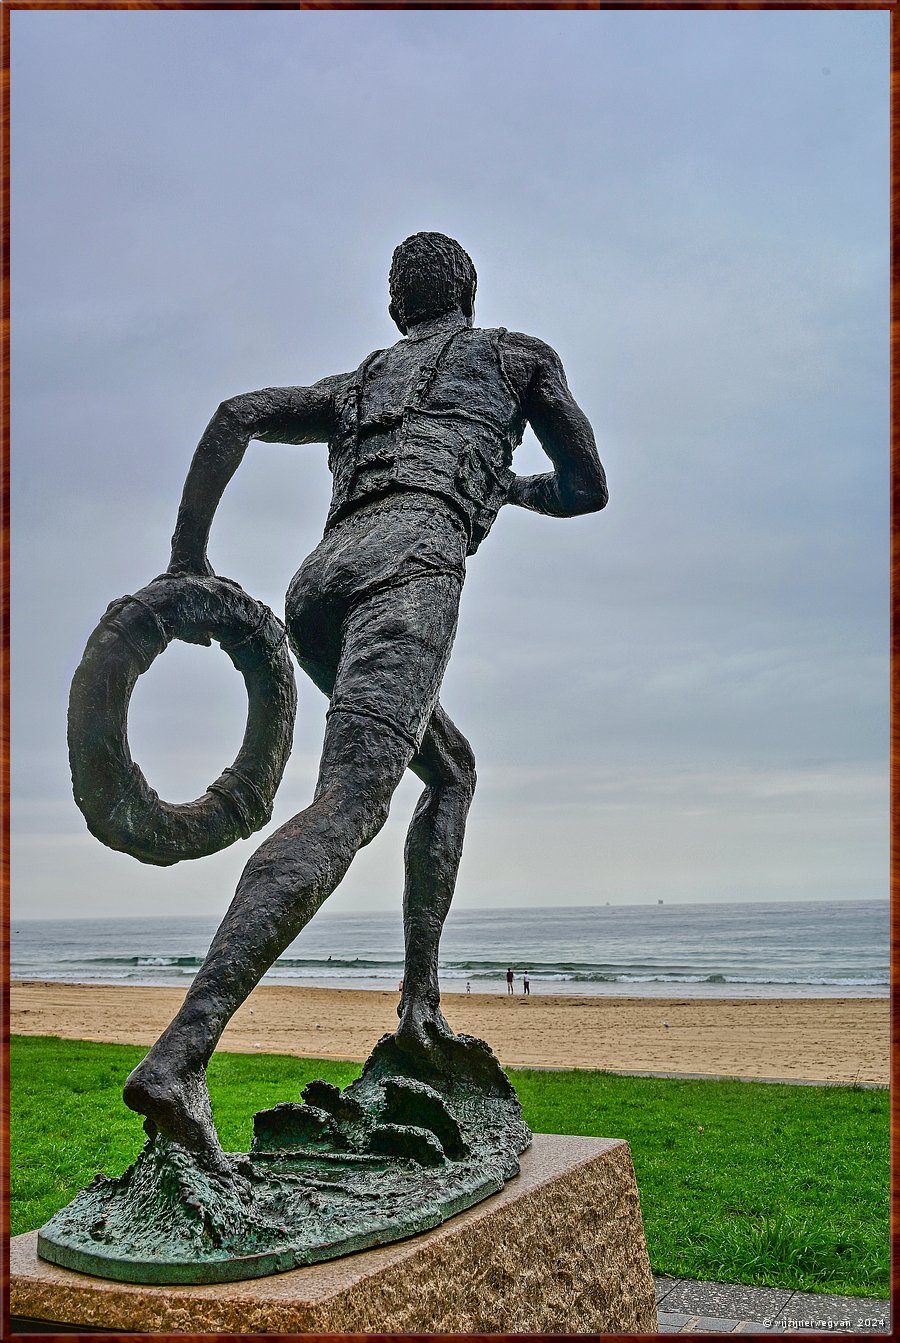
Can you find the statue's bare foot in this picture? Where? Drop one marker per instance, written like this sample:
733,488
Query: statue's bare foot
421,1026
176,1102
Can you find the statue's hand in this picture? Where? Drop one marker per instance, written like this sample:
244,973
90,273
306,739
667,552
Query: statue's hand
201,567
204,569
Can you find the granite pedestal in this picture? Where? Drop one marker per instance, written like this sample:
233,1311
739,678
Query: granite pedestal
560,1249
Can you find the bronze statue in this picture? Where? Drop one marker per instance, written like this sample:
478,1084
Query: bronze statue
421,439
420,444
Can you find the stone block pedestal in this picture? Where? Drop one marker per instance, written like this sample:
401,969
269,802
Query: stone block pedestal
560,1249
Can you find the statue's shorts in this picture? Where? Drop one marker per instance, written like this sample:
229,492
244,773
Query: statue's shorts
371,614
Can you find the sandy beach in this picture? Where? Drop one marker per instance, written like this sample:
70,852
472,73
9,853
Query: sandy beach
824,1040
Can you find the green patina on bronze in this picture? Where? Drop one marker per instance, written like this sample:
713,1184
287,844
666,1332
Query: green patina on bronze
416,1139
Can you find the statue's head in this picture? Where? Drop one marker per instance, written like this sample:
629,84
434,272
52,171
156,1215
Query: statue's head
430,275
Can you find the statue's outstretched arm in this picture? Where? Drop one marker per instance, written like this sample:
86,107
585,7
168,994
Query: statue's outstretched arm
276,414
578,483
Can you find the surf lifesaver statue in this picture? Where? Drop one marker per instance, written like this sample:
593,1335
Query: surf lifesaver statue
120,807
420,440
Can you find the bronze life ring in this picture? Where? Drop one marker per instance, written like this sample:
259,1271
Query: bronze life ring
120,807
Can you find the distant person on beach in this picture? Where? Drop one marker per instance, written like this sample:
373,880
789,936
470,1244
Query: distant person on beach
526,984
400,987
509,980
468,987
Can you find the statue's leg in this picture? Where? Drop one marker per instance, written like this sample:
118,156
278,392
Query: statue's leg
283,884
393,655
434,844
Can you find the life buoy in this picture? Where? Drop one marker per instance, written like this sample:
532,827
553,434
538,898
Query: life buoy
120,807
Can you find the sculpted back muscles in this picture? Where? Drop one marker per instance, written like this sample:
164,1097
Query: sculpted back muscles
313,415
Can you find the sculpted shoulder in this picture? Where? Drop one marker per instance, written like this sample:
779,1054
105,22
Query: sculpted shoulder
527,359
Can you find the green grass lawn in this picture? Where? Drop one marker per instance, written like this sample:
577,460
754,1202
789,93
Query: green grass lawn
743,1182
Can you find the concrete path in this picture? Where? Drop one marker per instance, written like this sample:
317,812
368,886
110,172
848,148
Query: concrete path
723,1308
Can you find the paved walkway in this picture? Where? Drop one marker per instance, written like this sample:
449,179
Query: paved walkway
721,1308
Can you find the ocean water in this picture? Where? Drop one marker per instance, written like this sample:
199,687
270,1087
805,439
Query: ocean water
797,949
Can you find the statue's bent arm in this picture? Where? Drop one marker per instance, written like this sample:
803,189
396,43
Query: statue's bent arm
578,483
276,414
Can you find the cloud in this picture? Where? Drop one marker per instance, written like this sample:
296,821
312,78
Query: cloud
685,205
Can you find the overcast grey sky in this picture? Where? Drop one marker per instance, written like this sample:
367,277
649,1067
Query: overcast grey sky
681,698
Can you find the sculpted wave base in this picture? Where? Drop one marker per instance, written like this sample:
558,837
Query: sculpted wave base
560,1249
409,1144
420,444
